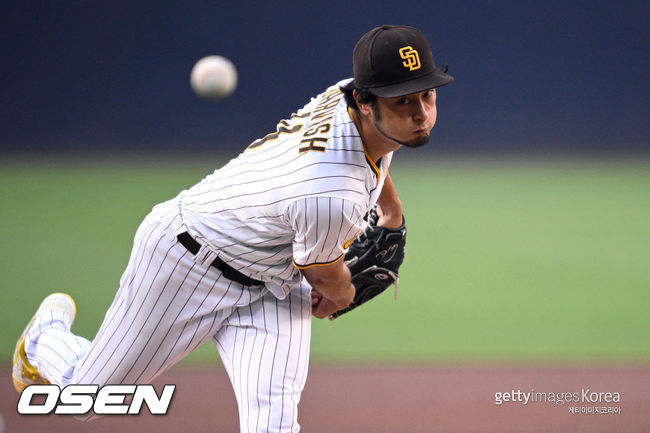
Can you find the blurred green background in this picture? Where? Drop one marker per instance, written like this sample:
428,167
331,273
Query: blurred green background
507,260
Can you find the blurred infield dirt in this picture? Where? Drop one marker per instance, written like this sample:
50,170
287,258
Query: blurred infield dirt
378,399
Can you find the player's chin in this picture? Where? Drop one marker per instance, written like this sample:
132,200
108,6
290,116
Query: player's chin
419,141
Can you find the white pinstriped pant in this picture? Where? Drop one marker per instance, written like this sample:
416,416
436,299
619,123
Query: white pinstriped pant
166,306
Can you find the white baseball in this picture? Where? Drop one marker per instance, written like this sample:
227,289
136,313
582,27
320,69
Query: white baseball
213,77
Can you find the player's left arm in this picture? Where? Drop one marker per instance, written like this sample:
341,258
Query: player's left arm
390,206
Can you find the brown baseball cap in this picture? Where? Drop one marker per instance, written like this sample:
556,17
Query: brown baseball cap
394,61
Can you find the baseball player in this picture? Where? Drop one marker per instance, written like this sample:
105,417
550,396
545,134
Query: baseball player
246,256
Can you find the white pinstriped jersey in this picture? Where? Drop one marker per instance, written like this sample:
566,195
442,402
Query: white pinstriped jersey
292,199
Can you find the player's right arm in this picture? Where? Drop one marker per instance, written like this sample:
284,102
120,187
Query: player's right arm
332,289
324,227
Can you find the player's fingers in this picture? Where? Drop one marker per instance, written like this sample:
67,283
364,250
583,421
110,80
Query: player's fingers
319,313
324,308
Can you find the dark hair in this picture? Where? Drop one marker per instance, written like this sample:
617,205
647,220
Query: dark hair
364,95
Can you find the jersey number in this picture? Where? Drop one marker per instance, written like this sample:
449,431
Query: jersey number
292,126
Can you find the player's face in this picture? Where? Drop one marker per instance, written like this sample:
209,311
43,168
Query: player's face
408,120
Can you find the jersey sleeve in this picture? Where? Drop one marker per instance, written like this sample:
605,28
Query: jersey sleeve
324,228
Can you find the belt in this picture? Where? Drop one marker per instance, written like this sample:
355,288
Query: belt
229,272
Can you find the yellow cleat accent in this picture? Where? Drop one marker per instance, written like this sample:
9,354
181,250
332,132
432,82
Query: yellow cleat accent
23,373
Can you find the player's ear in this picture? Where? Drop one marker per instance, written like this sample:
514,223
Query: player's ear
364,108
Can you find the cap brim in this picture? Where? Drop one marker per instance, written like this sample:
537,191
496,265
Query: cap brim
435,79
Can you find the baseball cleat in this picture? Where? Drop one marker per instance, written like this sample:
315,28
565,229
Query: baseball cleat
23,373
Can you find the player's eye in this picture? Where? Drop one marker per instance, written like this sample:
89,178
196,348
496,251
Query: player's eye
403,101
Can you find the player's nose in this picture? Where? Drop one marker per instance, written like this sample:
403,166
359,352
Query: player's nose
420,111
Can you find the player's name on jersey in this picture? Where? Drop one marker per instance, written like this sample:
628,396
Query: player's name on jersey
317,121
320,124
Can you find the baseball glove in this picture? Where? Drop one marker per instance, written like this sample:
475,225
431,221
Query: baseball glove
374,259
